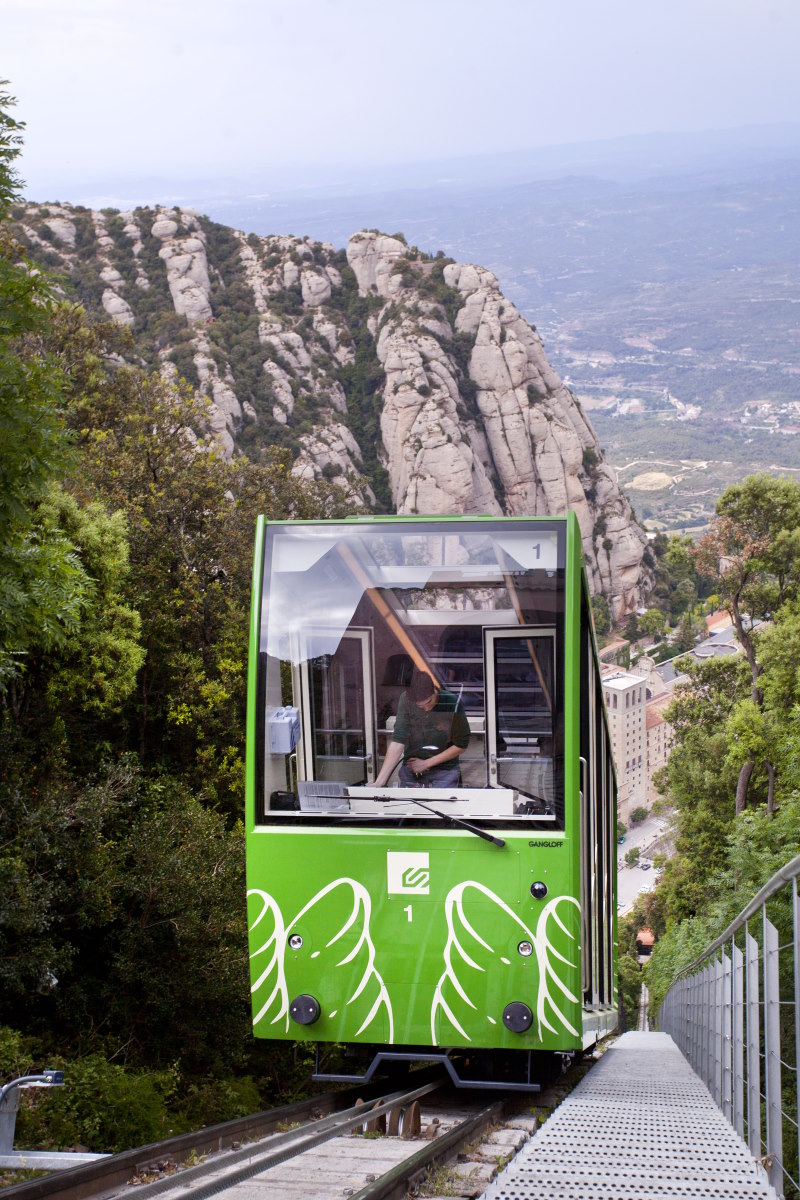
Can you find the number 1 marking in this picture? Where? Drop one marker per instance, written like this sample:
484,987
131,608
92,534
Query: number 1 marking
407,909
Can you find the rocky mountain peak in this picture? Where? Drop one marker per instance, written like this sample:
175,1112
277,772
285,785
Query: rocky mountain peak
412,375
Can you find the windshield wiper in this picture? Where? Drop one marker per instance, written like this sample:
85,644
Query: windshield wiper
450,820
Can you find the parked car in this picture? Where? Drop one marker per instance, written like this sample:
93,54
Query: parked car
621,839
645,866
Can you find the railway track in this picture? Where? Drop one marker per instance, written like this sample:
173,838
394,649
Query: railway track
101,1178
308,1151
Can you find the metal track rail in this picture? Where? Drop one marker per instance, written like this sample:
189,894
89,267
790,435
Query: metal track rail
394,1185
106,1175
279,1149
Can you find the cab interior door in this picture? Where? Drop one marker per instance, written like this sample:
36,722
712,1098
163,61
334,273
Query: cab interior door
338,712
520,707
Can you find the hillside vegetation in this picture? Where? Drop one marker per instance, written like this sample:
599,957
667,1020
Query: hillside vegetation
125,562
732,777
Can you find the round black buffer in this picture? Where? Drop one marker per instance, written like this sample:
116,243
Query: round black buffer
539,890
517,1017
304,1010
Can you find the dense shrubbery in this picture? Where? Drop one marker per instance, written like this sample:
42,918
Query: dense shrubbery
757,844
630,980
107,1106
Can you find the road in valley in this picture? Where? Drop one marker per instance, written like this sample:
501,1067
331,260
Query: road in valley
631,880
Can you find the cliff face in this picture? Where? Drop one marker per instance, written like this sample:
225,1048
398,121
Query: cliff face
413,373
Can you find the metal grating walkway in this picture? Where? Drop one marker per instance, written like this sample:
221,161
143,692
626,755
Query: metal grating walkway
639,1126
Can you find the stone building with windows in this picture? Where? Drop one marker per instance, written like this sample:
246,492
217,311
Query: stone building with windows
659,742
625,695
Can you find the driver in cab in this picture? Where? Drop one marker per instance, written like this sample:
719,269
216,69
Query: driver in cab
430,733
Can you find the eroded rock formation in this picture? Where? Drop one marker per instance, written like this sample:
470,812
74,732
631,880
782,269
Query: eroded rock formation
412,378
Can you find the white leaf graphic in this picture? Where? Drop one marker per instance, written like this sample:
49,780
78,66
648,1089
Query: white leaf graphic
549,977
364,946
274,970
464,942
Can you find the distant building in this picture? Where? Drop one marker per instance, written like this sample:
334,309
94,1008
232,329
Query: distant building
661,681
645,940
641,737
717,621
626,701
659,742
652,736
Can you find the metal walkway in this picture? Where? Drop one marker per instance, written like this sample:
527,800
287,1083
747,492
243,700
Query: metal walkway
641,1125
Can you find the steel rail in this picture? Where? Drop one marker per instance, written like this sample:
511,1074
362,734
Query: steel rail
394,1184
281,1148
106,1174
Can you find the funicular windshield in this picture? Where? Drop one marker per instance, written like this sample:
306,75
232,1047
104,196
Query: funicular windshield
406,664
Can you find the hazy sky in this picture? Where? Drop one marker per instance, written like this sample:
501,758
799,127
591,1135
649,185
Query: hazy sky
203,88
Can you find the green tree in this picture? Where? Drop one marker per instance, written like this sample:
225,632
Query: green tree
678,556
180,909
122,907
602,615
632,630
147,453
630,987
752,553
699,779
41,581
684,637
652,622
94,672
763,733
57,850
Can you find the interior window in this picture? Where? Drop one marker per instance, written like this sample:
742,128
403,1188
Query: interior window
522,705
342,741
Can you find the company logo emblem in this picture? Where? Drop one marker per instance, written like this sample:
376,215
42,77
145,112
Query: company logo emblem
407,874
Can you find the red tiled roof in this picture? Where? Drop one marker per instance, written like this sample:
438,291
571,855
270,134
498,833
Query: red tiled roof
717,621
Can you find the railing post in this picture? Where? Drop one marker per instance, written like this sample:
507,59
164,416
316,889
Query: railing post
703,1028
696,1024
772,1053
753,1041
708,1023
9,1107
684,1011
716,1041
737,1039
795,1000
725,1043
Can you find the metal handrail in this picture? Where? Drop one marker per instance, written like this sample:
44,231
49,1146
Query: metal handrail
727,1014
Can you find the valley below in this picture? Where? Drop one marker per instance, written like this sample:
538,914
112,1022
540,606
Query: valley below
670,305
